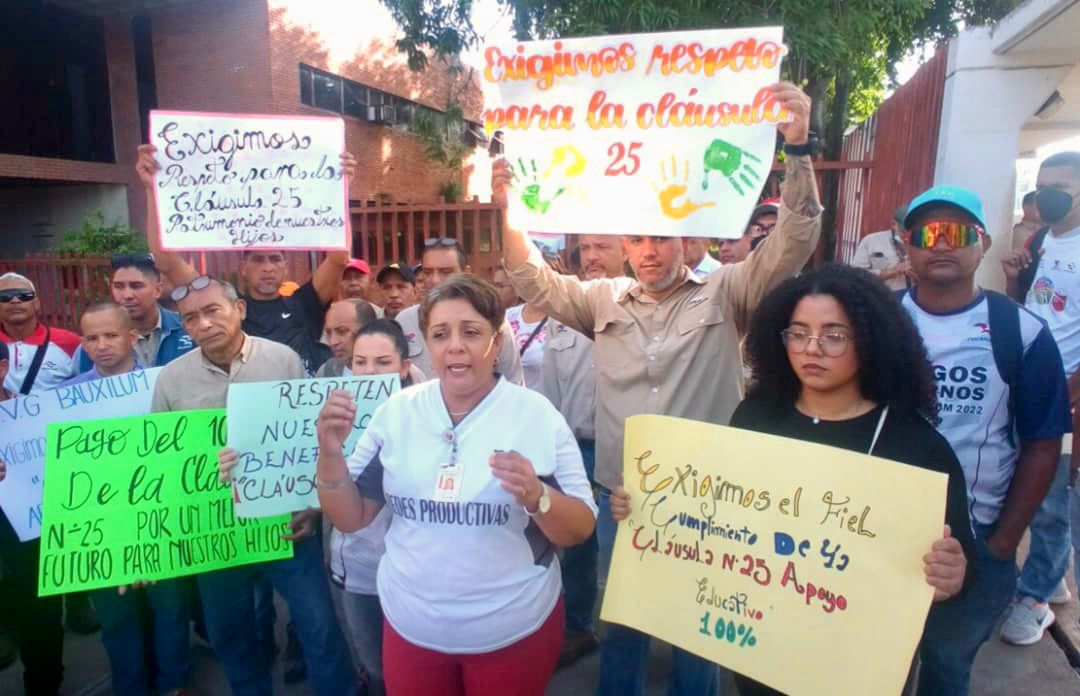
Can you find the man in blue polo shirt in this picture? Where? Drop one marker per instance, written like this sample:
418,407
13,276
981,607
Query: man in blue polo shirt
1003,406
136,286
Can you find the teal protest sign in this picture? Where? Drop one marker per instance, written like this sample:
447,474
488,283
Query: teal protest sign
138,498
272,426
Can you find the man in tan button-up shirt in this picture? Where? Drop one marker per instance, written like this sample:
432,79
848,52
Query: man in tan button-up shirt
667,343
673,349
569,381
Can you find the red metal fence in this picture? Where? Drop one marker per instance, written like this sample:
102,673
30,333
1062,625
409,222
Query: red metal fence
386,232
381,233
901,138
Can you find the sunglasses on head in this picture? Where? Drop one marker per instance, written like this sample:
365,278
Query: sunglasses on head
956,234
20,294
182,291
143,260
440,242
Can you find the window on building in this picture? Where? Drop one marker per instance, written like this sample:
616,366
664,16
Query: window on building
145,80
356,100
305,86
58,101
324,90
327,91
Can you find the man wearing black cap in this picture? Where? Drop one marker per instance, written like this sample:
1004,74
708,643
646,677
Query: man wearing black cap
398,284
1003,407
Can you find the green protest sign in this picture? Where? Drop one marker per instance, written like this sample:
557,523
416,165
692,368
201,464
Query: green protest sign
138,498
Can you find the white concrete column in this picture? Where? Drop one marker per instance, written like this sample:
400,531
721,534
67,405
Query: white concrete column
988,98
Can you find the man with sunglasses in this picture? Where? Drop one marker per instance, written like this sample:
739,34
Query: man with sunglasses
1003,407
136,286
444,257
213,314
296,320
41,356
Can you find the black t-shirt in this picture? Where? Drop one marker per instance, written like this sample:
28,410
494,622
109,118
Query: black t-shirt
296,321
908,439
905,438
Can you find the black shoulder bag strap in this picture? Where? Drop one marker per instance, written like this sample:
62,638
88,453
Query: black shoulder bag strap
35,365
1027,275
532,336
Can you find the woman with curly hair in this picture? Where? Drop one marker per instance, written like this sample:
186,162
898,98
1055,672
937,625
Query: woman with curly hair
837,361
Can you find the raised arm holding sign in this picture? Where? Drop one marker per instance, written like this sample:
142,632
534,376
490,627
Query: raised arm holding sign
687,363
173,266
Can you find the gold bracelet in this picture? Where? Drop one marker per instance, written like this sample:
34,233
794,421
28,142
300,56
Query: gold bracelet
330,485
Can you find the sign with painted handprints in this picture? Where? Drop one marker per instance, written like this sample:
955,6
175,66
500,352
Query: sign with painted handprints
656,134
796,564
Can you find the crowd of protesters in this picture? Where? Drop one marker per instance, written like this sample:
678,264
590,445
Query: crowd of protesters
493,599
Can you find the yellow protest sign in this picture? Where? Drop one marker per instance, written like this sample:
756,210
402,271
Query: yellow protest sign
681,123
793,563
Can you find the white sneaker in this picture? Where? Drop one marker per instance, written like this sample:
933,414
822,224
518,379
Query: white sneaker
1026,622
1061,593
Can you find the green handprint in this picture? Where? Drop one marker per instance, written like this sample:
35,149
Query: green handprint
531,195
723,157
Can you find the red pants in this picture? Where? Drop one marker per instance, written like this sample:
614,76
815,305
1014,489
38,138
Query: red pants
523,668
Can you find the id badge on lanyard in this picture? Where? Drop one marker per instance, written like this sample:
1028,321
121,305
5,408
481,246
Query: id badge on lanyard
449,476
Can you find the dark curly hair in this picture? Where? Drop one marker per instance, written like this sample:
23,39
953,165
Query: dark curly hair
893,367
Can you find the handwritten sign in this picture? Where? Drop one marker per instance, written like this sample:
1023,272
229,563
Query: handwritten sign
272,426
248,181
139,499
23,421
793,563
681,123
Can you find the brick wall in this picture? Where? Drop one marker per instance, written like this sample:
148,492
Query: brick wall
119,52
391,161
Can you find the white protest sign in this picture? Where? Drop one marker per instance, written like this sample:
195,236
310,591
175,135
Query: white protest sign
246,181
23,421
272,427
641,134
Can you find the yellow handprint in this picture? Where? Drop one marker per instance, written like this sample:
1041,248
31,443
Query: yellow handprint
676,188
567,157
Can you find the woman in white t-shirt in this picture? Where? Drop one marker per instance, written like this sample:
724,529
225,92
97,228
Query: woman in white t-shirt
530,331
484,481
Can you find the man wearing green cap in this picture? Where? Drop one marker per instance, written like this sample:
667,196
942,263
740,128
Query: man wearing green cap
1003,407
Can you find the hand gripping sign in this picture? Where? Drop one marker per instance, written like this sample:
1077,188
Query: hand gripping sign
247,181
652,134
793,563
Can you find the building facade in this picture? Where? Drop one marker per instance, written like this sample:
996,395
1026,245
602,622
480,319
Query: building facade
91,70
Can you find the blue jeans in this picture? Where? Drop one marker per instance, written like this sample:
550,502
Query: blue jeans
957,628
1048,559
579,566
229,603
364,619
125,638
624,652
1074,519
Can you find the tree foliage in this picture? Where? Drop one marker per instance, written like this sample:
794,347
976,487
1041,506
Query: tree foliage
857,42
843,52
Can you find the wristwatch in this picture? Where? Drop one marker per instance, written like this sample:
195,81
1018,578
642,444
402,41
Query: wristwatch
812,146
543,504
